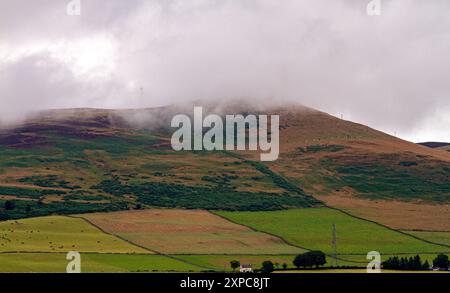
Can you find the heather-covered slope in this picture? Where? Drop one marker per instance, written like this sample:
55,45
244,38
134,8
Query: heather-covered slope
83,160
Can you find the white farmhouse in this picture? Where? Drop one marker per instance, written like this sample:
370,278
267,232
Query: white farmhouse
246,268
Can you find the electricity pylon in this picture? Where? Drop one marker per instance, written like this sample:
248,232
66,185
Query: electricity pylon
334,246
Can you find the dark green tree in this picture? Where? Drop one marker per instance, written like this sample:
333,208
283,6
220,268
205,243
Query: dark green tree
388,264
235,264
300,261
417,263
395,262
267,266
310,259
410,263
403,263
318,258
441,261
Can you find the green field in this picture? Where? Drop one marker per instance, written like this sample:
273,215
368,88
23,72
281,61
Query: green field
91,263
148,263
40,244
59,234
312,229
436,237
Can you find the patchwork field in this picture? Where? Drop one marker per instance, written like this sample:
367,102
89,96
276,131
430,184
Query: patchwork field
106,262
59,234
181,237
312,229
188,232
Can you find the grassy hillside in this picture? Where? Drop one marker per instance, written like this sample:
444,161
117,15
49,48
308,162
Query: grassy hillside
88,160
116,169
365,172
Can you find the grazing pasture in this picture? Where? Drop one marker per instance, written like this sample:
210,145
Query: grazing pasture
93,263
436,237
59,234
312,229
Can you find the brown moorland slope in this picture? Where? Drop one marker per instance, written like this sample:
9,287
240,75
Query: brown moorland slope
347,165
366,172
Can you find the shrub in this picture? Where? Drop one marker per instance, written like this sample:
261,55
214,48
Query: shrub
267,266
441,261
235,264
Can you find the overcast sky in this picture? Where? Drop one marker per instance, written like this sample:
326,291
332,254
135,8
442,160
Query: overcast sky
391,72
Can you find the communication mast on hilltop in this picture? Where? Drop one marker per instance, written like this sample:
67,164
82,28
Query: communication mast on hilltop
334,246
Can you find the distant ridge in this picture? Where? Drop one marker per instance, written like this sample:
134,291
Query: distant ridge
434,144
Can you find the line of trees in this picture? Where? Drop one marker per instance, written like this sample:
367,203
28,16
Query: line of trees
318,258
415,263
404,263
310,259
266,267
